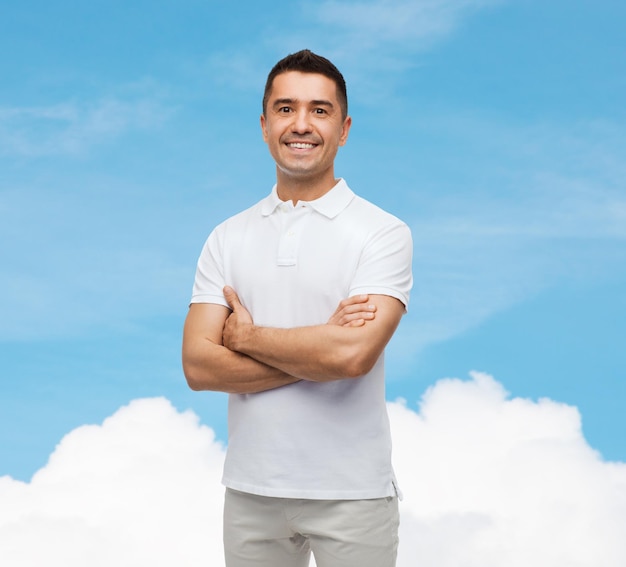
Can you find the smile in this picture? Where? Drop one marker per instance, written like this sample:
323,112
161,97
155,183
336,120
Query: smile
301,145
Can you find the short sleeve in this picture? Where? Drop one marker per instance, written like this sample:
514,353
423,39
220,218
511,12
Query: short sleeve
385,266
209,281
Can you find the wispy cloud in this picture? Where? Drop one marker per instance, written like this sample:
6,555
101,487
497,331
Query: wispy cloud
369,40
530,208
90,252
72,127
413,23
508,479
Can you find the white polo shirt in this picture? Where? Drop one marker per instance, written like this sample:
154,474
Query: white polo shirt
291,266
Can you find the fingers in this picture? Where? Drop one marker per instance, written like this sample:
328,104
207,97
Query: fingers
357,307
354,300
357,319
353,312
231,297
355,323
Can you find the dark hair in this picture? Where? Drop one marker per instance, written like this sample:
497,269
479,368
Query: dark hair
306,61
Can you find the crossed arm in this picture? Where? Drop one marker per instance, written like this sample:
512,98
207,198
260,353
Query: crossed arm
225,351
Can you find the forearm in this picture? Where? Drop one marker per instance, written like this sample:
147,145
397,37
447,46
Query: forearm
213,367
209,365
348,346
317,353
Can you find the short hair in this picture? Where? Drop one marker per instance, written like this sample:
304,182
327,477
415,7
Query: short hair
306,61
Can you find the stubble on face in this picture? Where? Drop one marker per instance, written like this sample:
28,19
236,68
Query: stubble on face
303,126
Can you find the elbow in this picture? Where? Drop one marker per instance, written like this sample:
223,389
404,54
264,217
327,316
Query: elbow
357,364
201,378
196,376
195,385
354,370
192,378
199,374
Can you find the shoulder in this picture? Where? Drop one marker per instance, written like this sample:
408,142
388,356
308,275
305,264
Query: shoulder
241,219
246,214
375,210
374,218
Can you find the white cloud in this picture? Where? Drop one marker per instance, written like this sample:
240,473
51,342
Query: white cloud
488,481
141,489
492,481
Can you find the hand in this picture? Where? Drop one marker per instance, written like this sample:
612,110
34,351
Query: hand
238,322
353,312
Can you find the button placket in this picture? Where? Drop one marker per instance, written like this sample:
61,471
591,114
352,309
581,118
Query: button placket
290,236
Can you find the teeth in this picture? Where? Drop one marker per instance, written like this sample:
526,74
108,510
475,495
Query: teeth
301,145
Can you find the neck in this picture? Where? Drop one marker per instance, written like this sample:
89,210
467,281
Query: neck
306,189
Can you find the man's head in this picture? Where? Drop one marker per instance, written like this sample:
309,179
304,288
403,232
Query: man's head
306,61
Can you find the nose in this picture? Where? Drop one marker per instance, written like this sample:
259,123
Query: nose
301,122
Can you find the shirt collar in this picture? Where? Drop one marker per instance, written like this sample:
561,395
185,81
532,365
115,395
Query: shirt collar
330,204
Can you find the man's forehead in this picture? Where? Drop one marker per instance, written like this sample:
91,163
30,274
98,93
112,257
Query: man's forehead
297,82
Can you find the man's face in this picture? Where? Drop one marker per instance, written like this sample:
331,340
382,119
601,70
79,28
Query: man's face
303,125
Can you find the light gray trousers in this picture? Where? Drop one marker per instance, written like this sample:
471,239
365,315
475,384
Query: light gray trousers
282,532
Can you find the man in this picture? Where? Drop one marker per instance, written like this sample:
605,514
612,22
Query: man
308,465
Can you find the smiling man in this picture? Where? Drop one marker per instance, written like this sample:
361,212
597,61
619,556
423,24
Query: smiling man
293,304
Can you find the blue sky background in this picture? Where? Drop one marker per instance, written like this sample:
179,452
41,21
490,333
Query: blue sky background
495,129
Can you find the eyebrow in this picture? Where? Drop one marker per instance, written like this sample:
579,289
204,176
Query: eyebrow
320,102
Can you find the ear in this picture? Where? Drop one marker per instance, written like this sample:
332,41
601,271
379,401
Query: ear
345,130
264,127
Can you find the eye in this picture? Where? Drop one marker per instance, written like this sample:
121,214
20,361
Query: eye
320,111
284,109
